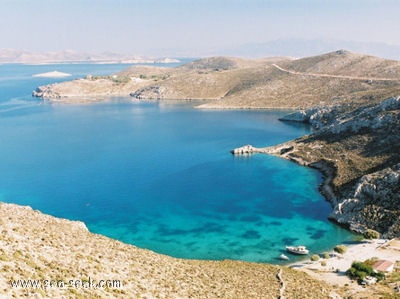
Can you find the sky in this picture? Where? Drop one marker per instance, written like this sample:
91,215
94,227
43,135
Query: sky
187,26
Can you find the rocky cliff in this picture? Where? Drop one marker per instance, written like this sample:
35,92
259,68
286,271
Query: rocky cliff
357,149
373,204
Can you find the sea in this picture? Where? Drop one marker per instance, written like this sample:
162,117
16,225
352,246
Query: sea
159,175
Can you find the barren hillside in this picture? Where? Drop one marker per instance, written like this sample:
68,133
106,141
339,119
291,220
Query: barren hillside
43,248
347,63
226,82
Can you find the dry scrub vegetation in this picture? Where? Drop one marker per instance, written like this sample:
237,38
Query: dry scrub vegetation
239,83
38,246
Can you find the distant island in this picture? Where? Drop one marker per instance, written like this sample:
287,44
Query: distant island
28,57
54,74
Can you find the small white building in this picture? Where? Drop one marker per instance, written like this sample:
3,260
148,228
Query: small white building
383,266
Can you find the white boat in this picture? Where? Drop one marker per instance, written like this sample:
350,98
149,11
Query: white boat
283,257
302,250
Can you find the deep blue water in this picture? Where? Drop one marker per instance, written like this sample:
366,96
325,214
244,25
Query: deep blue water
159,175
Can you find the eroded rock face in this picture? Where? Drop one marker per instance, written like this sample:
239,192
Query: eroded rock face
374,204
45,92
247,149
374,117
334,120
153,92
363,146
318,117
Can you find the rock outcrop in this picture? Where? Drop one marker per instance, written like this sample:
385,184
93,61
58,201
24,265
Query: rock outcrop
374,203
245,150
45,92
318,116
372,117
153,92
336,118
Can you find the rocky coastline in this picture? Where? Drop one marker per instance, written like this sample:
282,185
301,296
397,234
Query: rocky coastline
356,150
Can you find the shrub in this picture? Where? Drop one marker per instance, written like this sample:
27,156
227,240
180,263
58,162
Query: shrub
323,263
359,270
120,79
340,249
326,255
315,257
371,234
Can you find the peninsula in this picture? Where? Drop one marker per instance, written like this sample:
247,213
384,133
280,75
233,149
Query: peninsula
224,82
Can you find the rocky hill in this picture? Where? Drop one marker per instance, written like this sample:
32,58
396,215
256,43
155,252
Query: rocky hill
70,262
332,78
346,63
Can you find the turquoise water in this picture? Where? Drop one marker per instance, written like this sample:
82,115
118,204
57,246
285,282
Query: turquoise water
159,175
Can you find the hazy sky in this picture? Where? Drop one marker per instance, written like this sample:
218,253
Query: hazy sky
188,26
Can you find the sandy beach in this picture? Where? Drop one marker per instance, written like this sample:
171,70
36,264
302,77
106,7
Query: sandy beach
334,271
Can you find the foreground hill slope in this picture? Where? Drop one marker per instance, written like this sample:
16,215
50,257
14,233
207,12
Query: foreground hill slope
226,82
40,247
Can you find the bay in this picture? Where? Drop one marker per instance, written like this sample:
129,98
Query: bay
159,175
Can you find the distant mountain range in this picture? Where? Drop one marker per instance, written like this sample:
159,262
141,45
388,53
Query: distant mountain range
281,47
310,47
68,56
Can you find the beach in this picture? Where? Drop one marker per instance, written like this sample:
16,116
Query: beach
334,271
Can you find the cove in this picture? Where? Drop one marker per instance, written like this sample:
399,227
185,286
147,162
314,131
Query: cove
160,176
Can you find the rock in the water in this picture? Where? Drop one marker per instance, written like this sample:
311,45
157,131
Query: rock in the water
247,149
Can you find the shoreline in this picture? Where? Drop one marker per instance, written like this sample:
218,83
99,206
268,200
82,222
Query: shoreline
334,272
204,104
41,247
327,171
